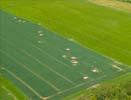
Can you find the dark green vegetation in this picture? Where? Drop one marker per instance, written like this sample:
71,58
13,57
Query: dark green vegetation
45,65
116,89
8,91
125,1
101,28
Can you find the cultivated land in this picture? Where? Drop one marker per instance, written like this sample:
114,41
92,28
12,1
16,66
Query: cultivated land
46,66
33,57
103,29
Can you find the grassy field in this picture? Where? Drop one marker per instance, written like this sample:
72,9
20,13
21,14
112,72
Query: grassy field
47,66
33,56
103,29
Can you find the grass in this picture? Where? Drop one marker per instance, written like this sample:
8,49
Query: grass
8,91
103,29
32,58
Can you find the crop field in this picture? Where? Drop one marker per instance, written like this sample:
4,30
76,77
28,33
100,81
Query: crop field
96,27
51,49
47,66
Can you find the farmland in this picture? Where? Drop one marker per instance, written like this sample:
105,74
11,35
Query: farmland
78,20
40,40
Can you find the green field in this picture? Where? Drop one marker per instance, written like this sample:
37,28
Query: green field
45,65
96,27
48,47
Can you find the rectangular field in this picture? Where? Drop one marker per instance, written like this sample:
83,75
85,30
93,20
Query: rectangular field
47,66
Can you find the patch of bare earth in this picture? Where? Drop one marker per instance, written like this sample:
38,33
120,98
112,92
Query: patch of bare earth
113,4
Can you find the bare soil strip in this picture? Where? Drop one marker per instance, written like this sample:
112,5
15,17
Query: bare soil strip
113,4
